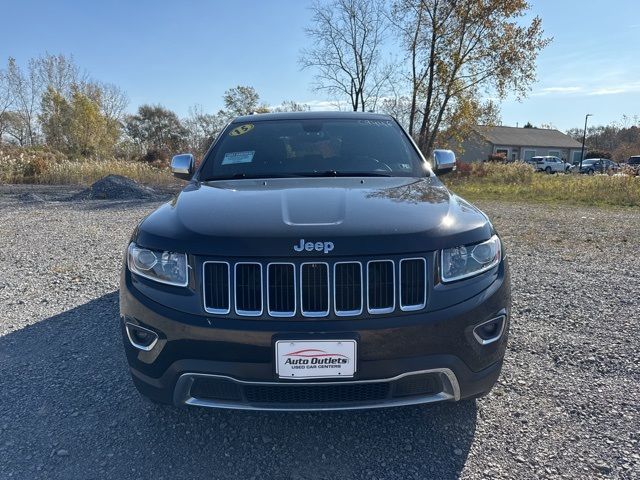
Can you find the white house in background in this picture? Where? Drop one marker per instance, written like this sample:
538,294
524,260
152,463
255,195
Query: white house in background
518,144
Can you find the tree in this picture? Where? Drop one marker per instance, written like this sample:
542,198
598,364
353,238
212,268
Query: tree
242,100
528,125
291,106
26,90
155,128
6,101
112,99
348,36
202,129
457,50
77,126
59,72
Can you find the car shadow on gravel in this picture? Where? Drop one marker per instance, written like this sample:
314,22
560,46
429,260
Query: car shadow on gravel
68,410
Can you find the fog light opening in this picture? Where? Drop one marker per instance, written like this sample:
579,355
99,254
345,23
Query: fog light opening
489,331
140,337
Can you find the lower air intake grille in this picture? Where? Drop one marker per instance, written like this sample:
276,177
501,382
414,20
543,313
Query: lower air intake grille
305,396
311,394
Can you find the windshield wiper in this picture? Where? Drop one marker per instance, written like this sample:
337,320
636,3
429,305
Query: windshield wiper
326,173
336,173
245,176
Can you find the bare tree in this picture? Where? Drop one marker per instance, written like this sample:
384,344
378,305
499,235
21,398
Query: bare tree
59,72
112,99
459,49
6,101
26,90
202,129
348,36
290,106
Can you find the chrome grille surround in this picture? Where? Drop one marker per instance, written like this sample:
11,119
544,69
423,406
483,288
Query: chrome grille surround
247,313
217,311
389,291
295,292
320,313
392,307
347,313
417,306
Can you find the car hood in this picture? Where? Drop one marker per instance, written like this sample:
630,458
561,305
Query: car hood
360,216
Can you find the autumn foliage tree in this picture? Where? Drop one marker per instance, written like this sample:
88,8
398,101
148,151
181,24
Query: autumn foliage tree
76,125
458,50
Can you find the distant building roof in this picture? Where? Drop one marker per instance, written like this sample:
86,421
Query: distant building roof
527,137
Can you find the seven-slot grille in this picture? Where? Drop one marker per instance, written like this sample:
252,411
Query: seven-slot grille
313,289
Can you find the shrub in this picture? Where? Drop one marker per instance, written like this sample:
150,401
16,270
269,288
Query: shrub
42,165
519,182
597,154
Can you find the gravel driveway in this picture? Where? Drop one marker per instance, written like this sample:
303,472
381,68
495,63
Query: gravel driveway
567,405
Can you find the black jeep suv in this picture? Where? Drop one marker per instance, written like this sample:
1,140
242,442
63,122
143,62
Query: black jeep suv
314,261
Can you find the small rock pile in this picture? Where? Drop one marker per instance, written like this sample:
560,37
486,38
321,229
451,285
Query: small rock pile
116,187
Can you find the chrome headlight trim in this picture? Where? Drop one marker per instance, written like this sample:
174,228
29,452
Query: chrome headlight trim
131,251
494,240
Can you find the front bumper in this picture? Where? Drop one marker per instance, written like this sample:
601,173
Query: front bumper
406,359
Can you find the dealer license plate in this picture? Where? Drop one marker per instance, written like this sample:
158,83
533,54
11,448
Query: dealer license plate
315,359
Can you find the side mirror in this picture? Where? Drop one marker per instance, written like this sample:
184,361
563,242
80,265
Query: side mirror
444,161
182,166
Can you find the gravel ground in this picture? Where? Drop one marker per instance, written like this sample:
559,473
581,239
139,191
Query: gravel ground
567,404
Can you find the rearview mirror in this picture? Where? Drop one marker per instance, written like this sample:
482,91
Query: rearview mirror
182,166
444,161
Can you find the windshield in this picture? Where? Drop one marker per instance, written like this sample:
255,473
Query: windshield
312,147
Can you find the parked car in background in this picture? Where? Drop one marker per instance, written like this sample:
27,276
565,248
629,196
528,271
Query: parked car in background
596,165
550,164
634,163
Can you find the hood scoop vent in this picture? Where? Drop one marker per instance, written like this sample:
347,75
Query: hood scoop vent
307,207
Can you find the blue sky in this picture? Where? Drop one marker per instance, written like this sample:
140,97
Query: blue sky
183,53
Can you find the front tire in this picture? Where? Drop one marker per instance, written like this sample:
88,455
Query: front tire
548,170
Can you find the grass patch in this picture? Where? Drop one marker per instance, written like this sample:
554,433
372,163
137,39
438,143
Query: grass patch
42,166
520,182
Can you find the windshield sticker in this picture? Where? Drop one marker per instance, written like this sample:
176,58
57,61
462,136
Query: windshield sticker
241,130
376,123
232,158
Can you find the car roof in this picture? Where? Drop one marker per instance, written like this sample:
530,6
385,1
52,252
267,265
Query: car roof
325,115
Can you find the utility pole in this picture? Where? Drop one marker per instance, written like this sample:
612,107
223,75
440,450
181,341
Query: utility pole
584,137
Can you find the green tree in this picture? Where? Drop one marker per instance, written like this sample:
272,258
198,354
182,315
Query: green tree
156,129
242,100
77,126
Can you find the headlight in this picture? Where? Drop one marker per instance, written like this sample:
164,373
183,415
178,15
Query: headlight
163,267
469,260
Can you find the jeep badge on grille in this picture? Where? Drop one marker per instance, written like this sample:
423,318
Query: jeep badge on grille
325,247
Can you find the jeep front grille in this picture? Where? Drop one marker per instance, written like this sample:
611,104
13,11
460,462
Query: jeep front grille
315,289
